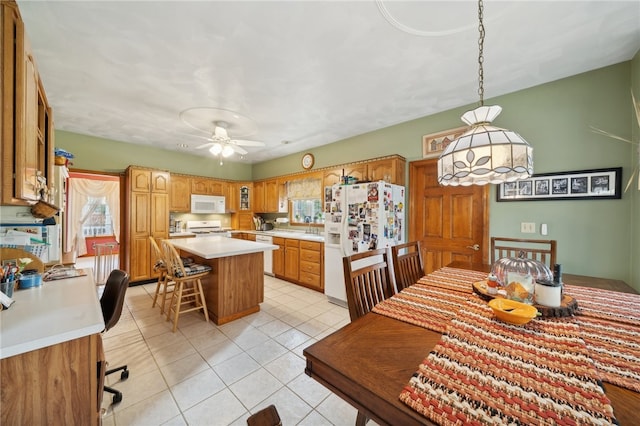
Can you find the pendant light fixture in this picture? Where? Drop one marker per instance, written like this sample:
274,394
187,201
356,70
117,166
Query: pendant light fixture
485,153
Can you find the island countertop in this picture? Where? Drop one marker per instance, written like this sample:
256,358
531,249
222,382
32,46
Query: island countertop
55,312
215,247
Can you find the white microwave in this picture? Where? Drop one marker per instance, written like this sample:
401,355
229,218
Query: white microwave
207,204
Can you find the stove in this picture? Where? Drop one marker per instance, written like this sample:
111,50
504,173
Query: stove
207,228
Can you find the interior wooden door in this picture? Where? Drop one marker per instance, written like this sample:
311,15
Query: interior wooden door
451,222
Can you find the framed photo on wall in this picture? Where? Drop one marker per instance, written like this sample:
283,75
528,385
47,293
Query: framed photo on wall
435,143
575,185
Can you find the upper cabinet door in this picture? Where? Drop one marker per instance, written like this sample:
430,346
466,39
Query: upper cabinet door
140,180
180,194
160,181
28,167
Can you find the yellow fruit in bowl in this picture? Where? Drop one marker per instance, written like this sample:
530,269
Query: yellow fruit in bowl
513,312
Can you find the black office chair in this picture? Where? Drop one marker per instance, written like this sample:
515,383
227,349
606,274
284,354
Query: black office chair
111,302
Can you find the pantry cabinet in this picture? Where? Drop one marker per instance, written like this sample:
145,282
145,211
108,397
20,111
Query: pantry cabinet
26,117
147,206
180,193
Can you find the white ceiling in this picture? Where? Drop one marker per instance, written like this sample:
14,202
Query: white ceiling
307,72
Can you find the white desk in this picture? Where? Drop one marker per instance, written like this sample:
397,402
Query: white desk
50,349
56,312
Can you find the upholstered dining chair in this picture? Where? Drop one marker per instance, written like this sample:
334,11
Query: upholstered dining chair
187,295
407,264
163,286
369,279
541,250
111,302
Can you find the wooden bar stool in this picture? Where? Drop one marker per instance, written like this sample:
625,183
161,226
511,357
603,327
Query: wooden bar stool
187,295
164,286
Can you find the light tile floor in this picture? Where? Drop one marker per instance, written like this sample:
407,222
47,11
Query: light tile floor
218,375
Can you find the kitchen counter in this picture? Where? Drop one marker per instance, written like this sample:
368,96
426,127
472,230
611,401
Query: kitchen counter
299,235
235,286
215,247
56,312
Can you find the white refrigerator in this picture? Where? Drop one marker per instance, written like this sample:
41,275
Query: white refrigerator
359,217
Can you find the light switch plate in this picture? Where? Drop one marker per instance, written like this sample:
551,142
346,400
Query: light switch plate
528,227
543,229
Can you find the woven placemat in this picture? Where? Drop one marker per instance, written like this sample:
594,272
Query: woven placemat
453,279
611,305
615,349
484,371
423,305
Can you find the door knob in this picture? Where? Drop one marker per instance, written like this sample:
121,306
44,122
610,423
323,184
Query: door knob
475,247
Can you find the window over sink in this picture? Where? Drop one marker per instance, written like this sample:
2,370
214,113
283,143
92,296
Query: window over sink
306,212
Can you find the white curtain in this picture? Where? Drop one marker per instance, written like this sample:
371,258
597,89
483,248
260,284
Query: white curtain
79,192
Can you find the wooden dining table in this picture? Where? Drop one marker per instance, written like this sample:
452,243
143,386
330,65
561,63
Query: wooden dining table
369,361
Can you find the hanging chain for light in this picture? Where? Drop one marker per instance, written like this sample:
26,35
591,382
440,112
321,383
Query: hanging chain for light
480,53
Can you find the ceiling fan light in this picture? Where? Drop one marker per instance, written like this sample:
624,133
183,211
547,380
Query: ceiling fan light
227,151
215,149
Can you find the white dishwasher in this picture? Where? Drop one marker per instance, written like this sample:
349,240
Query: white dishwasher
268,254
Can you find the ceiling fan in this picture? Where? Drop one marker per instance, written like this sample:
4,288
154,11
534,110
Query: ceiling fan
222,144
220,141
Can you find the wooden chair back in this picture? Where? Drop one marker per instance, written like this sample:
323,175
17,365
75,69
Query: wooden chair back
369,279
174,265
541,250
160,264
407,264
15,254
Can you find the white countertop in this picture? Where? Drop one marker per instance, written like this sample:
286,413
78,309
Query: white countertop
214,247
291,234
55,312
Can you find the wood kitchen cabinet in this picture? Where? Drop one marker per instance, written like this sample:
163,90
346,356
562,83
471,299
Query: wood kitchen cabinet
242,220
299,261
390,169
27,120
333,176
271,196
278,257
311,265
259,205
147,205
291,259
207,186
180,193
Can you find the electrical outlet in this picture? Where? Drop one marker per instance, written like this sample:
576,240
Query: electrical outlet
528,228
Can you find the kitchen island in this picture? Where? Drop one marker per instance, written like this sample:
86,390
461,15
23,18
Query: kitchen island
235,286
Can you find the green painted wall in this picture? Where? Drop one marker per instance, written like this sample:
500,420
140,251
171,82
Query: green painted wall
595,237
107,155
635,154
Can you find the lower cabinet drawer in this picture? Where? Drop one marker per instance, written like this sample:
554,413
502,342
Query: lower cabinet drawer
308,278
310,256
311,267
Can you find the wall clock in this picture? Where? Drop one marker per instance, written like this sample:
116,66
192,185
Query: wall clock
307,161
